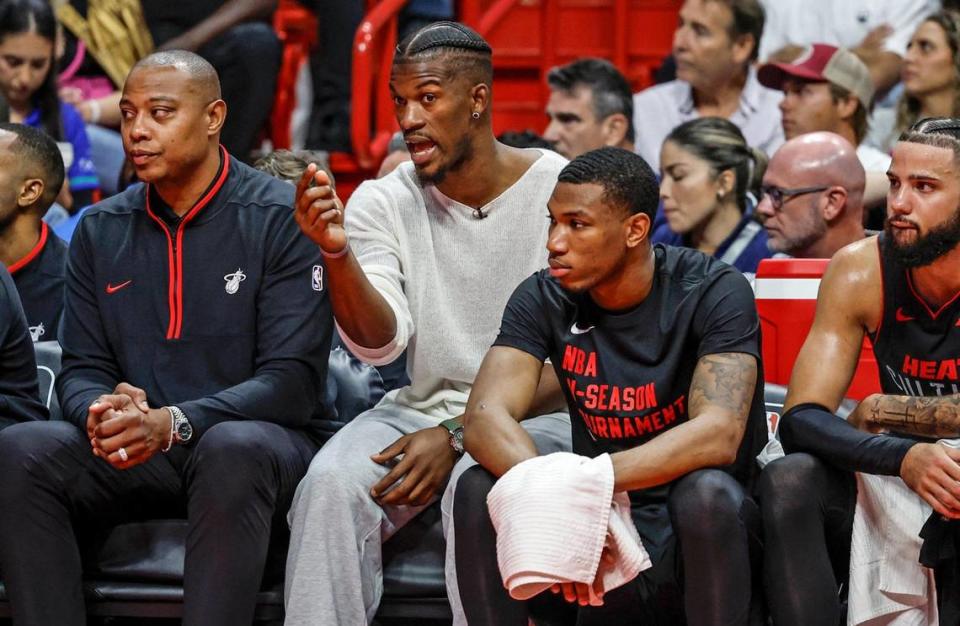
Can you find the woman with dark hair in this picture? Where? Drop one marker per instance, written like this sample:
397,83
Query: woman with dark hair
28,93
709,181
930,77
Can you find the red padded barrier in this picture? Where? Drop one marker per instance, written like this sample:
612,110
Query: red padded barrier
786,293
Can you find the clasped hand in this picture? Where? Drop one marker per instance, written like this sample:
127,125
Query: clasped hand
579,593
422,462
124,420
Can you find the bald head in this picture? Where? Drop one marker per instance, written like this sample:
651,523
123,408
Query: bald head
200,77
821,183
171,116
822,158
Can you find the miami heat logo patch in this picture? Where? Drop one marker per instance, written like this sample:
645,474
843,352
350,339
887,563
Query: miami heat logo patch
233,281
37,331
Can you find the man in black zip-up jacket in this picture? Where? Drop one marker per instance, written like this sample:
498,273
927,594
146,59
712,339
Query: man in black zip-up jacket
195,336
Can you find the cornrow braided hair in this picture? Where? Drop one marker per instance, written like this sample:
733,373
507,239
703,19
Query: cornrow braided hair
940,132
443,35
938,126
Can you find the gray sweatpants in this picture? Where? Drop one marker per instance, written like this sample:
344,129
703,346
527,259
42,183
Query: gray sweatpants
334,567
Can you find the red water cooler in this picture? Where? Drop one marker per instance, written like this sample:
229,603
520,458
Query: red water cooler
786,292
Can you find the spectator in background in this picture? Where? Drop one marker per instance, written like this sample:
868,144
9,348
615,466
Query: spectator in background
28,86
827,89
418,13
31,174
331,63
397,153
590,107
877,31
811,200
236,37
97,50
289,166
524,139
714,45
709,179
930,76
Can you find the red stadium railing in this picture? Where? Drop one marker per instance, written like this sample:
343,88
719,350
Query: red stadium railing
371,112
297,29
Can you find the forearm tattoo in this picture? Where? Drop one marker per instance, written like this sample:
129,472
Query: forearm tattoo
726,380
925,416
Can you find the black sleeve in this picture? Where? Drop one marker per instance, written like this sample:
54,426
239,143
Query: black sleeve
19,387
525,323
726,318
812,428
89,363
294,330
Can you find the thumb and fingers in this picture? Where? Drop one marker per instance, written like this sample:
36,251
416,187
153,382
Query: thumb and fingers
138,395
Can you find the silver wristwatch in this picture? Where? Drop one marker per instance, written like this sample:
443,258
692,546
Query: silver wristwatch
182,429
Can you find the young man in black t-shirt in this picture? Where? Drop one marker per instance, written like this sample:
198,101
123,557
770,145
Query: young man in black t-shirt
657,350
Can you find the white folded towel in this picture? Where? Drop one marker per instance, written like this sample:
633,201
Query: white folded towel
554,515
888,586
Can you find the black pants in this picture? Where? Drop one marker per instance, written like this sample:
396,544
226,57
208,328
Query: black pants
807,508
331,65
701,576
247,58
235,488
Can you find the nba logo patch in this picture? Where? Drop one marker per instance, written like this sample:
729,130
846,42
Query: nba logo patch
317,278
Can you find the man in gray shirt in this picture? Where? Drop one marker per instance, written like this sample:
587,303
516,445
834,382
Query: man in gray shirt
424,260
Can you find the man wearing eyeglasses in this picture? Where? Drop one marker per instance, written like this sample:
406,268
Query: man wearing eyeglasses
902,289
812,196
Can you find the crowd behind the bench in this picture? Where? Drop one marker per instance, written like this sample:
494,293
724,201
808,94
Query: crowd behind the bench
587,296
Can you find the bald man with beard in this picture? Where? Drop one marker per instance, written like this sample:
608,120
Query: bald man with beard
812,196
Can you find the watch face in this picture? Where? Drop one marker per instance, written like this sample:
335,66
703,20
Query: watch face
457,440
184,431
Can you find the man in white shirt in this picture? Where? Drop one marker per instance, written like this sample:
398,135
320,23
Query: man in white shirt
714,46
876,30
425,260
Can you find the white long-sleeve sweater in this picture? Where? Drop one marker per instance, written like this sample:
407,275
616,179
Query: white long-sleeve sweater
446,274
